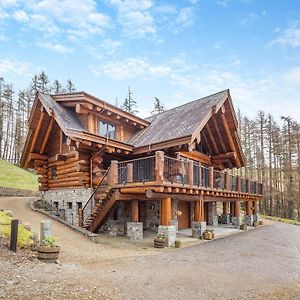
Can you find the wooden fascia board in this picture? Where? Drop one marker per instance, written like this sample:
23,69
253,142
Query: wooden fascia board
162,145
99,140
25,149
197,131
233,114
102,104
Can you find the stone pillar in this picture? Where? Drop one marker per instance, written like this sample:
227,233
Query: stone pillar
236,219
225,217
256,216
45,230
170,234
134,210
212,214
166,211
135,230
198,229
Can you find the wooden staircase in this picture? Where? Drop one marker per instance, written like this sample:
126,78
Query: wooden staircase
105,202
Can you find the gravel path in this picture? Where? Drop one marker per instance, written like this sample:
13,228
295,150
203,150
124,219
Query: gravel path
257,264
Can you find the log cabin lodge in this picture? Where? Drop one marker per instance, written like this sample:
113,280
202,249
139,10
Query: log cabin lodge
104,169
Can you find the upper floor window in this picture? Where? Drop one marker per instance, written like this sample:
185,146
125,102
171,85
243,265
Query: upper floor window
107,130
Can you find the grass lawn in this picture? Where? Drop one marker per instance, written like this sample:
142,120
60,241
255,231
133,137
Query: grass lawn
15,177
288,221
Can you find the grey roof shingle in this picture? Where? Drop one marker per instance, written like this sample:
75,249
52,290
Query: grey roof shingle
65,116
177,122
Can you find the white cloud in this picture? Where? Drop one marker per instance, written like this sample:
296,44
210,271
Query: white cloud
134,17
8,3
56,48
20,16
132,68
3,38
292,77
186,17
10,66
288,37
248,19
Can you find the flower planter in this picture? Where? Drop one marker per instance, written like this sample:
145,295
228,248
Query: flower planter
48,254
177,244
159,243
243,227
255,223
208,235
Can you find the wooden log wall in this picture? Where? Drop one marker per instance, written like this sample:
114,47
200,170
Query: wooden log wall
65,170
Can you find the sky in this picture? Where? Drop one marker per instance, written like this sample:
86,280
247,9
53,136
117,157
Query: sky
177,51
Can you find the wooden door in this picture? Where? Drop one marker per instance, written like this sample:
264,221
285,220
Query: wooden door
143,213
184,217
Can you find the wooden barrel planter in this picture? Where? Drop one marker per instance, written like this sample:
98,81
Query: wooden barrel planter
48,254
159,243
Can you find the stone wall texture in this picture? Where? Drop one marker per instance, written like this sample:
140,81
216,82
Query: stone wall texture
12,192
68,201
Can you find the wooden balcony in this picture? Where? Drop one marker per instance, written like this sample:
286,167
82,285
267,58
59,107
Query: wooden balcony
159,176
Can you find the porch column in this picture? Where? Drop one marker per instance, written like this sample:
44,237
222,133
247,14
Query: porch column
236,219
212,214
166,211
135,228
197,211
225,217
232,209
134,210
255,211
199,225
248,213
168,230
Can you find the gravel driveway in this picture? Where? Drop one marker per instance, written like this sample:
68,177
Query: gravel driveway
257,264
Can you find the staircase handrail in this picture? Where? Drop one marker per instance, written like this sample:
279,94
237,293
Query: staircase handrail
94,192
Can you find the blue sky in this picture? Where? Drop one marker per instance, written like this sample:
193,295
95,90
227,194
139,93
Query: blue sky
177,51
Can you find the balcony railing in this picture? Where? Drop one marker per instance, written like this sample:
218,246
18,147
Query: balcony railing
163,169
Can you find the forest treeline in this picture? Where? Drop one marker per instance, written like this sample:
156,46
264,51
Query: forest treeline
271,147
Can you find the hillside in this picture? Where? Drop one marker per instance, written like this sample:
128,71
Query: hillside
15,177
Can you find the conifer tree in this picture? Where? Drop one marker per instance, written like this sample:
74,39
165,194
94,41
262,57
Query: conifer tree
158,107
129,104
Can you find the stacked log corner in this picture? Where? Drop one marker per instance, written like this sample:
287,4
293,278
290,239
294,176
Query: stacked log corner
72,170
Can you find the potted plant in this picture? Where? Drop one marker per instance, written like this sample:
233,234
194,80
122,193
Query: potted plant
160,241
177,244
209,234
243,226
48,251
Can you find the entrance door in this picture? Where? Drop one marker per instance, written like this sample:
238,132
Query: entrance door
143,213
184,217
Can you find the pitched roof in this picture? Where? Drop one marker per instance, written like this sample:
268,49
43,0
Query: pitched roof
65,117
177,122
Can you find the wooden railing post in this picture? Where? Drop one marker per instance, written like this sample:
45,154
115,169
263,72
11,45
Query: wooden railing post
211,177
248,189
113,173
200,175
159,166
239,184
130,172
227,181
190,172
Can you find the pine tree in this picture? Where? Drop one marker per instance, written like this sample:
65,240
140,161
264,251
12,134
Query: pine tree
129,104
57,87
70,86
158,107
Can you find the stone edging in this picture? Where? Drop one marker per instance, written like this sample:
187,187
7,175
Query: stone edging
13,192
86,233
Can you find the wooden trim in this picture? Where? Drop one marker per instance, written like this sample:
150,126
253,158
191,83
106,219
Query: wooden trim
47,136
214,120
211,137
196,155
36,133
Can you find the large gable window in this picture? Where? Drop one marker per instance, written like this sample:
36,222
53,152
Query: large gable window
107,130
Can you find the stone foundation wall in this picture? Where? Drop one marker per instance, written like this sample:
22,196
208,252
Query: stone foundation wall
66,202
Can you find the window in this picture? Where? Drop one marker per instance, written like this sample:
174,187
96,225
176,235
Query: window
107,130
79,205
53,173
69,205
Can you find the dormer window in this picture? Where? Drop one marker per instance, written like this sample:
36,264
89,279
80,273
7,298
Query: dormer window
107,130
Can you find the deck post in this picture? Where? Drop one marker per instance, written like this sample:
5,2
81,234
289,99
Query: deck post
211,177
236,219
134,210
248,186
199,225
166,211
200,175
227,181
197,211
190,173
248,213
159,166
130,172
225,217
